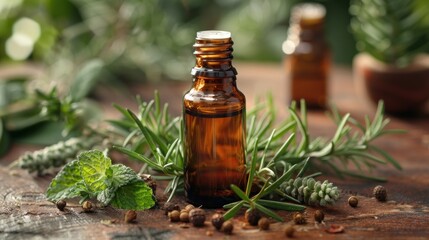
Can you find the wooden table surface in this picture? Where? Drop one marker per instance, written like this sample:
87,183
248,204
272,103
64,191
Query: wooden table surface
25,213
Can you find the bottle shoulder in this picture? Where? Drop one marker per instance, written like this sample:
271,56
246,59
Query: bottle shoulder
214,101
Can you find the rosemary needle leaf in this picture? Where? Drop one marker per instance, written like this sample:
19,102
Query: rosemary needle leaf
240,193
280,205
268,212
233,211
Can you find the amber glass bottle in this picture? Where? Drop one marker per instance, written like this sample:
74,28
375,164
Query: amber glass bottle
307,55
214,123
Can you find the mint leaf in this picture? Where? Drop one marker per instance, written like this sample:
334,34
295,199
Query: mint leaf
121,175
67,184
94,170
133,196
106,195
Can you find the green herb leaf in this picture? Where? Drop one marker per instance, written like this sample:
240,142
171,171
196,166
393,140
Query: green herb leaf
121,175
67,184
134,196
95,170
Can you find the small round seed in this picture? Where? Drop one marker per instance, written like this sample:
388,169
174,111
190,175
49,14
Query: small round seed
61,205
319,216
353,201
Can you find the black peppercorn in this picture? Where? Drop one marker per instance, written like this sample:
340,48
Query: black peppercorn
169,206
252,216
130,216
299,218
264,224
87,206
197,217
227,227
380,193
217,220
174,216
319,216
353,201
61,205
289,231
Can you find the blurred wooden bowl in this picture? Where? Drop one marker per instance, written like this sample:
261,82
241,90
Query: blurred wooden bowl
403,90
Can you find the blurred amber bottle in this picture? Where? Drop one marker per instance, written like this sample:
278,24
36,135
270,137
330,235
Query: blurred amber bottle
307,57
214,124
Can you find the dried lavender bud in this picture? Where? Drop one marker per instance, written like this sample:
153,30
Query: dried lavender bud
299,218
264,224
227,227
319,216
197,217
289,231
130,216
189,207
353,201
252,216
184,216
217,220
61,205
380,193
174,216
169,206
87,206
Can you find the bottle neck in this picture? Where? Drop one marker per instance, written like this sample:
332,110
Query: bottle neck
213,59
307,23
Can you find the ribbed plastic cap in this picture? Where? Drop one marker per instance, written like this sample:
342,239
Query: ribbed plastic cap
213,34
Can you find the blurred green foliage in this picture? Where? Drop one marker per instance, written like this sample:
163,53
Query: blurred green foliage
152,39
392,31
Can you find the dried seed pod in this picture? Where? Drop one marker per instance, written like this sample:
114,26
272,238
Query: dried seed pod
319,216
174,216
184,216
217,220
299,218
130,216
197,217
252,216
169,206
87,206
289,231
380,193
264,223
189,207
227,227
150,182
353,201
61,205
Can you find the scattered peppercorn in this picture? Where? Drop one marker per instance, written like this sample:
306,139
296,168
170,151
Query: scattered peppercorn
197,217
252,216
130,216
169,206
209,233
380,193
353,201
227,227
174,216
189,207
319,216
289,231
264,223
61,205
87,206
299,218
217,220
184,216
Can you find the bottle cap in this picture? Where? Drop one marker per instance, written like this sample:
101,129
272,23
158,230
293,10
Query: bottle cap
213,34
